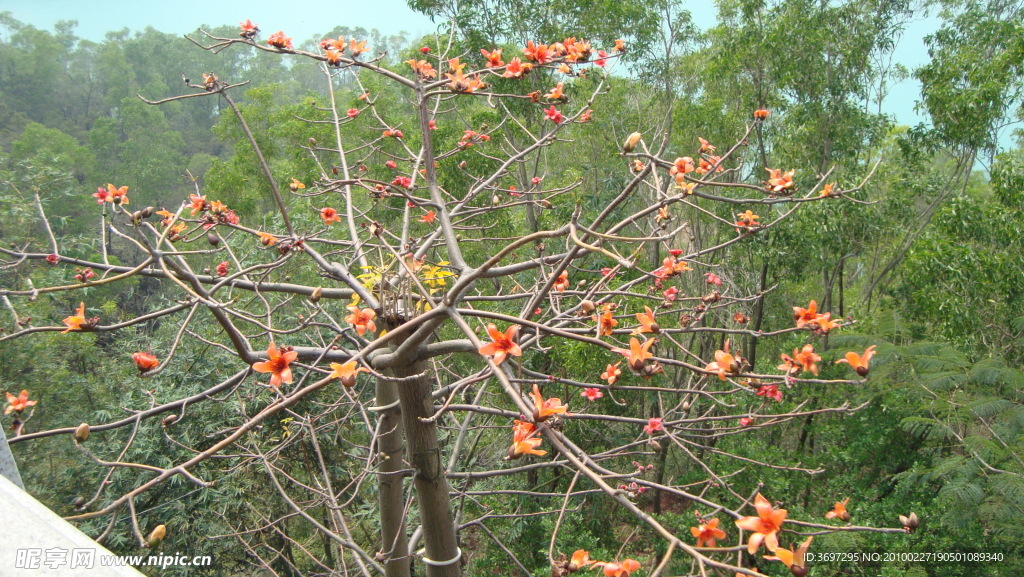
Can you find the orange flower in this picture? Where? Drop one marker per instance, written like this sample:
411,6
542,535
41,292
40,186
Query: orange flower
637,354
824,323
682,165
428,217
19,403
663,214
279,40
113,194
267,239
839,511
422,67
516,68
707,533
145,362
502,344
538,53
295,185
606,323
556,93
827,189
808,315
329,215
459,82
356,48
77,321
611,373
765,526
361,319
616,569
562,282
198,203
277,364
724,363
524,441
647,322
806,359
857,362
705,146
346,372
796,561
493,58
761,113
779,181
748,219
580,559
620,46
542,409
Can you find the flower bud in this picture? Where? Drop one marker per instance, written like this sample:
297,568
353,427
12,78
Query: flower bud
631,142
588,305
156,537
81,434
213,239
317,293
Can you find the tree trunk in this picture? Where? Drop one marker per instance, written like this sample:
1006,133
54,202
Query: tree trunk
391,497
424,454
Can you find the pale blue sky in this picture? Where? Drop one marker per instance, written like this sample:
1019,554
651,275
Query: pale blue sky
96,17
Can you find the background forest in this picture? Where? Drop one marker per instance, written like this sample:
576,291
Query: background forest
927,261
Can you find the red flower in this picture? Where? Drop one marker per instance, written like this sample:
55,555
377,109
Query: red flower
352,112
554,115
222,269
248,29
770,391
543,409
101,195
277,364
424,50
746,421
19,403
592,394
52,258
402,181
765,526
653,426
431,125
145,362
713,278
502,344
391,164
329,215
607,271
670,294
707,533
761,113
389,133
428,217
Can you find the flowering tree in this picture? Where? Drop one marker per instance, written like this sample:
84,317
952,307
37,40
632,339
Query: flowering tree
439,304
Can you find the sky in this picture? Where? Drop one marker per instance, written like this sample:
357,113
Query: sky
96,17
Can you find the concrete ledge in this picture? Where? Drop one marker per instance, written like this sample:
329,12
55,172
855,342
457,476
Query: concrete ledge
36,542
